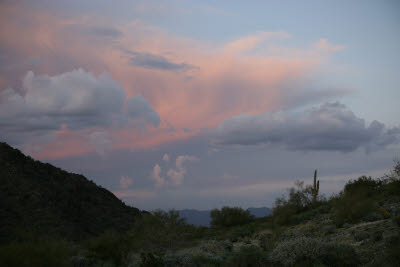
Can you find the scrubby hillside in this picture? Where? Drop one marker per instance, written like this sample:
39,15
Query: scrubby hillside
38,200
360,226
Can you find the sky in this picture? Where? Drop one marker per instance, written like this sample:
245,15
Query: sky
202,104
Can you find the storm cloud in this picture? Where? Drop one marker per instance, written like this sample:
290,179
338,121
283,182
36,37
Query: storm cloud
152,61
329,127
75,100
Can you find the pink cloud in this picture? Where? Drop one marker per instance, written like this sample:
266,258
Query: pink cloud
222,81
250,42
325,46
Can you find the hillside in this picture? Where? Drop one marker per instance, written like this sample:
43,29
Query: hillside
38,199
359,226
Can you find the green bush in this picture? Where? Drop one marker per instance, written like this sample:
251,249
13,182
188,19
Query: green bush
360,235
392,255
203,260
151,260
396,218
298,206
227,217
109,247
160,231
248,256
358,201
340,255
328,229
46,253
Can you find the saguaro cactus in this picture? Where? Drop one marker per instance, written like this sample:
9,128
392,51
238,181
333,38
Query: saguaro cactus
315,189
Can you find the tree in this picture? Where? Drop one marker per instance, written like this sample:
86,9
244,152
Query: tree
228,216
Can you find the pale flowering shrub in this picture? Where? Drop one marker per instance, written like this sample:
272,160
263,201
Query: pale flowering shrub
306,250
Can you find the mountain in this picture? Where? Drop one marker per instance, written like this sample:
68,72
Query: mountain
38,199
202,217
196,217
260,212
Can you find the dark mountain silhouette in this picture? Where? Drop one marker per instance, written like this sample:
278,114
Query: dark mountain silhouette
260,212
38,200
202,217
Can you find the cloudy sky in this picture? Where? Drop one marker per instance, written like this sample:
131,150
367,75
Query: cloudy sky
200,104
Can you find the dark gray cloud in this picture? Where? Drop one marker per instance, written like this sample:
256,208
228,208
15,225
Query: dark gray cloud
76,99
151,61
102,31
105,31
331,127
138,107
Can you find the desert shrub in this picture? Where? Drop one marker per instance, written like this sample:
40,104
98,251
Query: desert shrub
151,260
204,260
392,255
377,236
339,255
347,225
248,255
396,218
358,201
328,229
313,251
110,247
202,256
373,216
216,247
297,250
240,232
384,213
230,216
360,235
365,185
45,253
265,240
159,231
298,205
309,229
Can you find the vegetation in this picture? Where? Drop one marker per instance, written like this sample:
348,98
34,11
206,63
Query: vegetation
227,217
359,226
39,200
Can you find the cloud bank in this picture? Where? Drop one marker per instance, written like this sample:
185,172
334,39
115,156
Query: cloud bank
75,100
329,127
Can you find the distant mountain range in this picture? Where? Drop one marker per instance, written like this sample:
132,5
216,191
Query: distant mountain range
202,217
39,200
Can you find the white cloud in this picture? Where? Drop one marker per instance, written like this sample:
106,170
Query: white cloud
325,46
175,175
155,175
165,158
178,174
125,182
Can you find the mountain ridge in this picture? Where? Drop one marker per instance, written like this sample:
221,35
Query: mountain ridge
39,199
